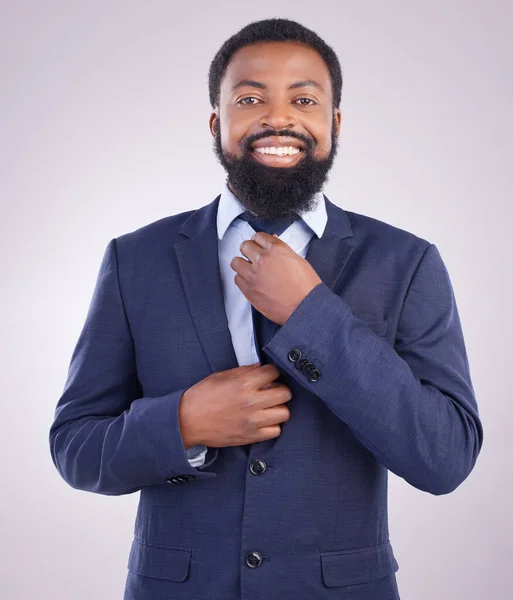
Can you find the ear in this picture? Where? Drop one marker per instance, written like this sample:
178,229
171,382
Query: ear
213,123
338,120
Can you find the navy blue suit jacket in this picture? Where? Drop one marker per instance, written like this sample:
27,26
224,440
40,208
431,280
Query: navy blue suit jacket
305,514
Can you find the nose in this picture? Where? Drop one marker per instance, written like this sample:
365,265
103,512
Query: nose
277,115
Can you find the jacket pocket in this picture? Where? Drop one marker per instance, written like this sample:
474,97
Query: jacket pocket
350,567
162,562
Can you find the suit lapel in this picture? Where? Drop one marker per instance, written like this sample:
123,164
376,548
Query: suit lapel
198,260
329,254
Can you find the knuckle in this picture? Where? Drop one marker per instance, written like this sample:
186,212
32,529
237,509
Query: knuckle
286,393
248,425
244,384
247,401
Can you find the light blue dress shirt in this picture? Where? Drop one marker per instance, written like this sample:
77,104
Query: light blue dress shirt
231,232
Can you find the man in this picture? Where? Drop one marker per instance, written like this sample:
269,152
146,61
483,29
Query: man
255,367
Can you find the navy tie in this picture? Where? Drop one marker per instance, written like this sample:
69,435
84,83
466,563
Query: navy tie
264,328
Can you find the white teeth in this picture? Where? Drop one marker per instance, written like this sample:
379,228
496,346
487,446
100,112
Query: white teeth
280,150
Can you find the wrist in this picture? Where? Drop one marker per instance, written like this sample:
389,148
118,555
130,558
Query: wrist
185,425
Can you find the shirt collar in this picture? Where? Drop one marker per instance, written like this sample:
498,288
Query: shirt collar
229,208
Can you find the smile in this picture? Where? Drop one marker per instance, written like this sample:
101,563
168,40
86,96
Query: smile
279,150
279,156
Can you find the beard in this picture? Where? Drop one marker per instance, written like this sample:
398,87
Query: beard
276,192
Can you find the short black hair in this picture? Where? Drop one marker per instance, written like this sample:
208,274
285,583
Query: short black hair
273,30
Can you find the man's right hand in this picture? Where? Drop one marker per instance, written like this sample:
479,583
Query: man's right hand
234,407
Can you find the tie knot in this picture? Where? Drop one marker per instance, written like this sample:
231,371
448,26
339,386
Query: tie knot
270,226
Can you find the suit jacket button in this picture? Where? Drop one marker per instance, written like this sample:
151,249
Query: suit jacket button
258,466
295,354
171,480
301,362
253,559
307,368
314,375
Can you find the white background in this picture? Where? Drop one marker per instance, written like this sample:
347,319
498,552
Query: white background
104,128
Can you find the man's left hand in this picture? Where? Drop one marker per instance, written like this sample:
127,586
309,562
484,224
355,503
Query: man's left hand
275,279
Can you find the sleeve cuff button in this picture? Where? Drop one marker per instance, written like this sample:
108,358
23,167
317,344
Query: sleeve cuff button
314,375
295,355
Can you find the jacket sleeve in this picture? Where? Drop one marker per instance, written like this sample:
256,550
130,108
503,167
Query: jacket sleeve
412,405
105,437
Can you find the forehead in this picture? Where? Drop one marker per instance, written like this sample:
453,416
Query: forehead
277,62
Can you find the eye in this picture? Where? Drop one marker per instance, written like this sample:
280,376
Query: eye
247,103
309,100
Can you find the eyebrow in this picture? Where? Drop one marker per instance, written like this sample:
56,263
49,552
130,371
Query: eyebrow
297,84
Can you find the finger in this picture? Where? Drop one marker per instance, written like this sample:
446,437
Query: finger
241,266
243,286
249,249
263,239
266,374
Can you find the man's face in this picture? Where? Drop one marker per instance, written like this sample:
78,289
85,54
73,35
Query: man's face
273,96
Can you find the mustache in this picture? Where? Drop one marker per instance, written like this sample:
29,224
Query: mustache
246,144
